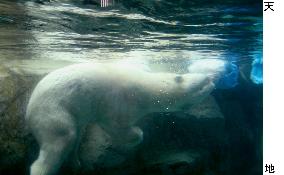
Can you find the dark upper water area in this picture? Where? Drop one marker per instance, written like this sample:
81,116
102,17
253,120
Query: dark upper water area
42,35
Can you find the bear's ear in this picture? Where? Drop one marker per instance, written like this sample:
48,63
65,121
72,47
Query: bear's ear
178,79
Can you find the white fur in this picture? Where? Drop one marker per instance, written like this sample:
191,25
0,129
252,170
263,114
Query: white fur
113,95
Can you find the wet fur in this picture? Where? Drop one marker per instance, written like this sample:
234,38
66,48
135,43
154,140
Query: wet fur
112,95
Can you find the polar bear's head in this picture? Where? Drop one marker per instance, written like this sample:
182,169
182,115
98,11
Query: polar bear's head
200,81
212,68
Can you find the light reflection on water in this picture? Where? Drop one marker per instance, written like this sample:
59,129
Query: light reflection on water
63,33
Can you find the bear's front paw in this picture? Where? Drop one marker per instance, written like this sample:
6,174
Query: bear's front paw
128,138
135,136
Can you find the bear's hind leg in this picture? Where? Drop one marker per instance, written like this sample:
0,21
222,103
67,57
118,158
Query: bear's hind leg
56,142
52,155
75,161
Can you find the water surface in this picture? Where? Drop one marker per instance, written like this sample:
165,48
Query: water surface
35,35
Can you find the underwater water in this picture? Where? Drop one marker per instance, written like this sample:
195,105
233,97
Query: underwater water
220,136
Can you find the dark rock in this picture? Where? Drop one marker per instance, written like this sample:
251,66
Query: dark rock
184,143
242,108
14,140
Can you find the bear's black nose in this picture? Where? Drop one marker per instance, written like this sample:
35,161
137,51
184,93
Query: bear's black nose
178,79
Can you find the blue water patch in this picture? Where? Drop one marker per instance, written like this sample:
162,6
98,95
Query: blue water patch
256,74
230,77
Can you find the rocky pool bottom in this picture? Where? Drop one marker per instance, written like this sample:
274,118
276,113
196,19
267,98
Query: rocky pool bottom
222,135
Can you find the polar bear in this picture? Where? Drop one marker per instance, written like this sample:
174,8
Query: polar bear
114,95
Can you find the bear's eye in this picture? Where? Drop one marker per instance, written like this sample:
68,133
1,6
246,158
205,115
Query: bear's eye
178,79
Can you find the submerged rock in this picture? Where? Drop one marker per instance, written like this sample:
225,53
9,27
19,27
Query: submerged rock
14,140
179,162
184,143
